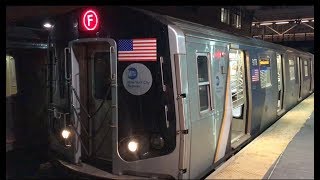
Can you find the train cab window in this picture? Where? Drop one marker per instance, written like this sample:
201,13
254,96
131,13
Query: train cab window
291,69
11,82
204,83
101,75
306,73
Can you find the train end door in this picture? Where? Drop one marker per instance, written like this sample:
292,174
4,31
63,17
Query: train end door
93,100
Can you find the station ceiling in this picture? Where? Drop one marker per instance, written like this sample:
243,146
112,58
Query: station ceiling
20,13
269,13
261,13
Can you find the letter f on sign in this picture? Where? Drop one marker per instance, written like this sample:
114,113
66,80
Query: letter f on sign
89,18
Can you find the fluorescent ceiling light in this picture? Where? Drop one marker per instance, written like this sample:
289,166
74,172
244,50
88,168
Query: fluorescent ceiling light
305,21
265,24
284,22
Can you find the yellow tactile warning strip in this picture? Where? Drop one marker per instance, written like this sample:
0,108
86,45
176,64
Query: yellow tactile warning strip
254,160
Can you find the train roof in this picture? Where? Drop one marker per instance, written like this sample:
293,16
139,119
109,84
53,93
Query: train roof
195,29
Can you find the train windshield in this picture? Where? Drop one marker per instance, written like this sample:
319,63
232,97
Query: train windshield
146,121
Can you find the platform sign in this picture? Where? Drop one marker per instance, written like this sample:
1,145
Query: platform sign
89,20
264,62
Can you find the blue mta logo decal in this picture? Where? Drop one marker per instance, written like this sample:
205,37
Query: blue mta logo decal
132,74
217,81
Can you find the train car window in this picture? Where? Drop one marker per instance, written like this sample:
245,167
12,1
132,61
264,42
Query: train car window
11,82
101,75
291,69
204,83
306,73
279,70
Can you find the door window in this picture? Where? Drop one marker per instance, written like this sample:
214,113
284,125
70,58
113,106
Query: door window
306,72
204,83
101,75
291,69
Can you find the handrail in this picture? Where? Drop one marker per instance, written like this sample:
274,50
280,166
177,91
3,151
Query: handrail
161,69
65,63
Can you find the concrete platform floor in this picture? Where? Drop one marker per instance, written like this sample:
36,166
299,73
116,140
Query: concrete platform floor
255,159
297,161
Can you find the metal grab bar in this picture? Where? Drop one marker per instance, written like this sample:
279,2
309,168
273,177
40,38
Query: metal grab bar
111,49
238,92
65,63
161,69
238,100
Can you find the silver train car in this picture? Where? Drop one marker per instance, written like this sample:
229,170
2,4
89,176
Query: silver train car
146,95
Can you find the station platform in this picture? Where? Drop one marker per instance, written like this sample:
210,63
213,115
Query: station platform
284,151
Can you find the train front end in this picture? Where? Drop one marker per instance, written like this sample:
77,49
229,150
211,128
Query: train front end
111,89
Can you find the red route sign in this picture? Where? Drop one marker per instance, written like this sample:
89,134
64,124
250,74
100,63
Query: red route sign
90,20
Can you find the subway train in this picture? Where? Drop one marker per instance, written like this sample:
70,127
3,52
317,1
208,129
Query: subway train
137,94
26,101
26,97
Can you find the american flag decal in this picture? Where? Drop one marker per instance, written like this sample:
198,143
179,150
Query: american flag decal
142,49
255,75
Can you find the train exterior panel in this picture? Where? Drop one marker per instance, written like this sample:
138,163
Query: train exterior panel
205,110
178,110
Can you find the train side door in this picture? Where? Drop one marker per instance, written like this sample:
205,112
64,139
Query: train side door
239,96
93,98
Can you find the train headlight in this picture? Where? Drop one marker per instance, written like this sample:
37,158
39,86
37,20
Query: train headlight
132,146
65,133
